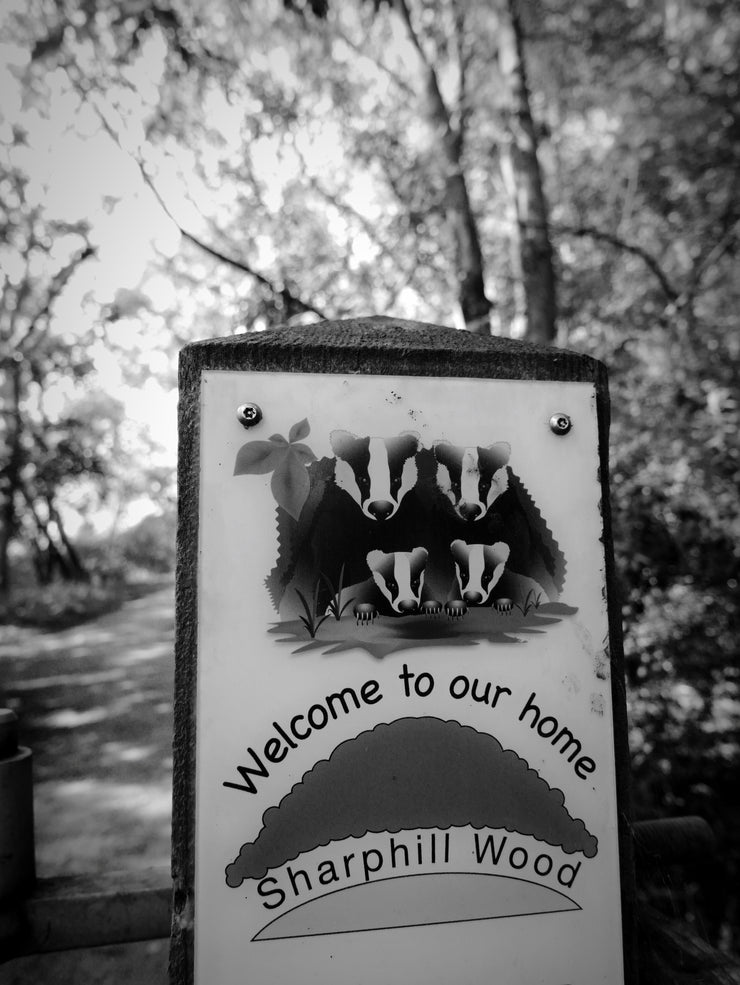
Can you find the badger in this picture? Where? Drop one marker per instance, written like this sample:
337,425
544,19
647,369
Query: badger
400,577
376,472
484,579
473,477
394,587
478,568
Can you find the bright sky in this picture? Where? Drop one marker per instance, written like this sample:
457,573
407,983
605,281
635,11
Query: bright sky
77,170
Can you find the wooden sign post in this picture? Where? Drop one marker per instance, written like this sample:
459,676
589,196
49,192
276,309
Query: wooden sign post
400,750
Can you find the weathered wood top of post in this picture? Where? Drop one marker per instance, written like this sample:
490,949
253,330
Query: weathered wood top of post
381,344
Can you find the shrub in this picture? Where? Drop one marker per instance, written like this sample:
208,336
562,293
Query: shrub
150,545
60,604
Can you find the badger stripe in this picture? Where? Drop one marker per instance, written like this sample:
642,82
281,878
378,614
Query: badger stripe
376,472
479,568
400,576
379,472
461,557
472,477
449,458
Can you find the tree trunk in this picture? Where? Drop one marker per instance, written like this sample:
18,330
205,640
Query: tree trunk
11,477
55,561
468,256
522,174
474,304
75,567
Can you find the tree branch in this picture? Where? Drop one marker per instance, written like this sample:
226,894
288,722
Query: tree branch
58,283
647,258
284,293
290,300
438,108
474,303
402,84
464,58
407,275
723,244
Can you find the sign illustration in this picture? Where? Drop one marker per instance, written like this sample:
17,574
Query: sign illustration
397,762
404,745
386,527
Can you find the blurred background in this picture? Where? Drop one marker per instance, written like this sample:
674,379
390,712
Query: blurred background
564,171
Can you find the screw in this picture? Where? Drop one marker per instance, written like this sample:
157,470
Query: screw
248,415
560,424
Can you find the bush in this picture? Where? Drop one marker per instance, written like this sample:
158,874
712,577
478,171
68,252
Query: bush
150,545
60,604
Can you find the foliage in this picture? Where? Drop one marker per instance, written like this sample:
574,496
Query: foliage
63,438
150,545
292,157
59,605
119,568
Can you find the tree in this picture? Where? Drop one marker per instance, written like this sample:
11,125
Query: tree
522,172
59,432
450,138
433,160
32,356
480,39
419,184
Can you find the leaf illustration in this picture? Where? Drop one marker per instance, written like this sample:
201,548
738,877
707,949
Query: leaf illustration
278,439
299,431
312,620
290,484
303,452
258,457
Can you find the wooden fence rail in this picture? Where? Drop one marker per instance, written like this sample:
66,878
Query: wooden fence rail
70,912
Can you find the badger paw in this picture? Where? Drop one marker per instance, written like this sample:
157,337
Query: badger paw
431,608
504,605
365,613
456,609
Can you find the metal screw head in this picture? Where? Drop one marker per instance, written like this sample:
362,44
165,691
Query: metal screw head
248,415
560,424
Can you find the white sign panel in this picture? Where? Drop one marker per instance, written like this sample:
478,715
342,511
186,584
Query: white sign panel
405,759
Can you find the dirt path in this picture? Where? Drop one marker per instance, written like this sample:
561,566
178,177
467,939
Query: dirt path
95,705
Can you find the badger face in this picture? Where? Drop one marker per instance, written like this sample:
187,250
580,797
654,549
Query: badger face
400,577
478,568
472,478
376,472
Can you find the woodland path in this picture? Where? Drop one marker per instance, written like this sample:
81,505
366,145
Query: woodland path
95,705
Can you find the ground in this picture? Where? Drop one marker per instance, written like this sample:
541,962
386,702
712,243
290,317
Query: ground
95,706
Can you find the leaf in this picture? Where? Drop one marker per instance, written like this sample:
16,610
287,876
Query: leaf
306,607
346,605
309,626
319,621
290,484
278,439
304,453
258,457
299,431
312,620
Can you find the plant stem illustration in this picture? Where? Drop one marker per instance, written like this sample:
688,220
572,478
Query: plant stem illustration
312,620
335,606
